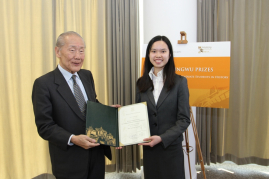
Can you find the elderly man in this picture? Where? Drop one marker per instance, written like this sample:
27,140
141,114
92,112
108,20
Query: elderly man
59,101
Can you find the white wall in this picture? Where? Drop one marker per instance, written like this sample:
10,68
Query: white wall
168,18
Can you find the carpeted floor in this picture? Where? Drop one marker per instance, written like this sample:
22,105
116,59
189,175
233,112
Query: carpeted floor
229,170
123,175
226,170
137,175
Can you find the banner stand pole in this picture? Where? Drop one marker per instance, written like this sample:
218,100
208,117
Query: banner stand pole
197,145
188,150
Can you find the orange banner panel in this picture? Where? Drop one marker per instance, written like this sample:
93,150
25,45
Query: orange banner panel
204,72
208,79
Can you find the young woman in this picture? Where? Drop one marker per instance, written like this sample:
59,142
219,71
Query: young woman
167,97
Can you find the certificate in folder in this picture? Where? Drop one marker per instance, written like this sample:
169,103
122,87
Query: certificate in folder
116,127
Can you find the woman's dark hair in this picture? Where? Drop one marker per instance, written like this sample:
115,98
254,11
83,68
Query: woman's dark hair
144,82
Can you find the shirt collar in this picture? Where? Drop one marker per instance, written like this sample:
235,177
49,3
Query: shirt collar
159,74
67,75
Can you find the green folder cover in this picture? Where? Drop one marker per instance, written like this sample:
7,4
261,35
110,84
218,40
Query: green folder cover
102,124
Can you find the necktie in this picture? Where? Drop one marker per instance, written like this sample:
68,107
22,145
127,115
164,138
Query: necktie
79,96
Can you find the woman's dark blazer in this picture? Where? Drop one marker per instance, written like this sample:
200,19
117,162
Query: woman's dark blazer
171,116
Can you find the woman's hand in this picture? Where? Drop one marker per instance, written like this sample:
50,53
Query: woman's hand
115,105
153,140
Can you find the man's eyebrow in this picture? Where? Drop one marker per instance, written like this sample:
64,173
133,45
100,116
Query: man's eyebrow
73,46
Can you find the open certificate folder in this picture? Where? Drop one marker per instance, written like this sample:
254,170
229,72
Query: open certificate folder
116,127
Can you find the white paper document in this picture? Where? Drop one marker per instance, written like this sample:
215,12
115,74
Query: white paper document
133,124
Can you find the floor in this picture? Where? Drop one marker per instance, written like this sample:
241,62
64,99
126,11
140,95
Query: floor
226,170
229,170
137,175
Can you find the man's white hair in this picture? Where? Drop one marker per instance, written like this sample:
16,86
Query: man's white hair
60,40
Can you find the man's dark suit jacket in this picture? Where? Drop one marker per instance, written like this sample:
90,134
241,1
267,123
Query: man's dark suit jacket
57,116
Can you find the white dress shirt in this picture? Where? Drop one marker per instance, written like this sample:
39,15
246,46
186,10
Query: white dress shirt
68,77
157,83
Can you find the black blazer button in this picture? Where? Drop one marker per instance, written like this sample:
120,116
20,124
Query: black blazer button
155,124
154,114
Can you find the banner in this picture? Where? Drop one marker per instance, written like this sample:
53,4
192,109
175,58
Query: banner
206,65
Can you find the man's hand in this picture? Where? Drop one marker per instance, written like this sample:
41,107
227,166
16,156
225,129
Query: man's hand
84,141
153,141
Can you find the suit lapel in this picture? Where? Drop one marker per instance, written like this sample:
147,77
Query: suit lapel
163,95
65,91
87,86
150,96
